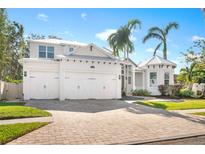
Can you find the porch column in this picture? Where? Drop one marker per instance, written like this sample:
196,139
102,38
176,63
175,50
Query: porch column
133,78
143,79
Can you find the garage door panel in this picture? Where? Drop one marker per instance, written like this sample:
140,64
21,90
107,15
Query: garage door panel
45,85
88,86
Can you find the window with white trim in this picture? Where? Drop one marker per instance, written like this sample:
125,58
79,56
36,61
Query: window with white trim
153,79
42,51
46,51
129,80
50,52
166,78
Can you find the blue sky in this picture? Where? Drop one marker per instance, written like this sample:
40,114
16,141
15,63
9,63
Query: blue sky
94,25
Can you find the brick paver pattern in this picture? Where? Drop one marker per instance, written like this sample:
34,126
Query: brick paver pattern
108,122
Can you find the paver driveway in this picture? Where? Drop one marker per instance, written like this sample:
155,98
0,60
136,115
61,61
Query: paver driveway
109,122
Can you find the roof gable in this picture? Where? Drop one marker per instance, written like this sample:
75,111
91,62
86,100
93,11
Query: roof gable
156,60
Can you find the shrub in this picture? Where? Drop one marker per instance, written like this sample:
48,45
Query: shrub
123,93
169,90
141,92
186,93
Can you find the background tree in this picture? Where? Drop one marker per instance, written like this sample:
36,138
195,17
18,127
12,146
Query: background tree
12,47
194,57
161,35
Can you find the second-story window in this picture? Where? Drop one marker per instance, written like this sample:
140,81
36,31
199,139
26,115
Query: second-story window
71,49
46,51
42,51
50,52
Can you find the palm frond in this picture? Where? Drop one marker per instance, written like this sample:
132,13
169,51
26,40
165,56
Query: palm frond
133,23
156,30
170,26
151,35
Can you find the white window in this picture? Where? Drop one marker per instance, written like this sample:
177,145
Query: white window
46,51
166,78
50,52
42,51
129,80
153,79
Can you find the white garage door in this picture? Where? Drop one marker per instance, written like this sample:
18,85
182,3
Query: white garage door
90,86
44,85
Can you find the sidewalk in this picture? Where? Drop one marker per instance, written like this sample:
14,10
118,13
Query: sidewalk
26,120
188,111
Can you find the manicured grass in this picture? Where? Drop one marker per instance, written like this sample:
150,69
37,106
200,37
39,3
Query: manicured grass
13,131
199,113
186,104
12,103
13,112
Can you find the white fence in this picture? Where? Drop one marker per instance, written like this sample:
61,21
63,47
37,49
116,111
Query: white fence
10,91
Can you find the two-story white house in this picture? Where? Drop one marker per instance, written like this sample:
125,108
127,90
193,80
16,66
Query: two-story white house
59,69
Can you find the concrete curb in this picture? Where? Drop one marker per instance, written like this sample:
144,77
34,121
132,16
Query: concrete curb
26,120
161,139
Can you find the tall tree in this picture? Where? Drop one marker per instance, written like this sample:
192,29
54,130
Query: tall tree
120,41
161,35
12,46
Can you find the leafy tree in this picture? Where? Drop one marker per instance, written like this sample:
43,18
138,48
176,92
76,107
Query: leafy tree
120,41
161,35
12,47
195,59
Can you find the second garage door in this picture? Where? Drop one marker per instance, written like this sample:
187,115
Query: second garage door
90,86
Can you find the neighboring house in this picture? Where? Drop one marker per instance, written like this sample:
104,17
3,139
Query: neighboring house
148,74
58,69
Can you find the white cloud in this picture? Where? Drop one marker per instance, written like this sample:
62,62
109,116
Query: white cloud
105,34
195,38
42,17
150,50
83,16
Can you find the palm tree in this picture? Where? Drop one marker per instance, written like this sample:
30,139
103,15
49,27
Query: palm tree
161,35
120,41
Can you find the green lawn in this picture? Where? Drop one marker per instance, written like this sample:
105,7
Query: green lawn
13,131
186,104
12,104
199,113
17,110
